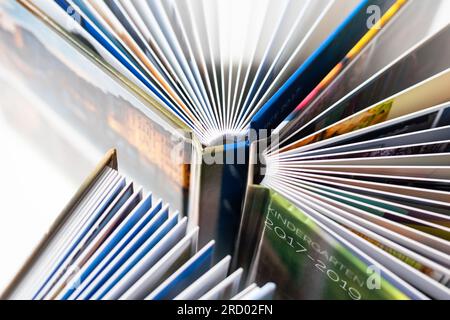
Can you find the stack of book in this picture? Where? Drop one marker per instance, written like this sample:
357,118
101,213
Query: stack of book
307,142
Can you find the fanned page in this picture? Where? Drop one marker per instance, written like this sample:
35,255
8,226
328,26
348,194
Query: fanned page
361,169
118,242
211,63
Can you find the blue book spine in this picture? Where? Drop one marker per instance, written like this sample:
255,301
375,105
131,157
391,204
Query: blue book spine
316,67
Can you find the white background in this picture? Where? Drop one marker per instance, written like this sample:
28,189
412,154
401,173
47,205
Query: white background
32,192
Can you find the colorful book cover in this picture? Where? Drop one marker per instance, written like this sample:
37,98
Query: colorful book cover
307,263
